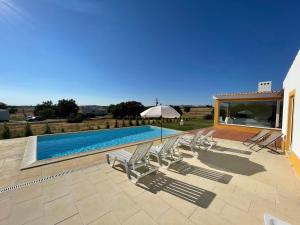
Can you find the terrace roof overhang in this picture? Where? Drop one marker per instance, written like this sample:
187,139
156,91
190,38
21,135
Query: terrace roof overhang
250,95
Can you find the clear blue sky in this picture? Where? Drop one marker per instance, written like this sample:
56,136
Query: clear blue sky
102,52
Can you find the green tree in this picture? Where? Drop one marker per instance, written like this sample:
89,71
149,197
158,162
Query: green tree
5,132
3,105
47,129
46,110
27,130
75,118
66,106
187,109
129,109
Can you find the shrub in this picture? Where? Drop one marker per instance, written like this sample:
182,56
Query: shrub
130,122
27,131
66,107
5,132
47,129
123,123
116,124
75,118
208,117
62,130
107,125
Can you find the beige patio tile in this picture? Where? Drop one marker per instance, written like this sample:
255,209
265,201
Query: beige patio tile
107,189
123,207
82,190
289,207
75,177
140,218
185,207
235,216
207,217
26,211
5,207
117,176
130,189
54,209
97,176
200,182
152,204
216,205
245,183
30,174
27,193
267,192
55,190
73,220
4,222
38,221
106,219
239,198
91,208
1,162
173,217
50,169
259,206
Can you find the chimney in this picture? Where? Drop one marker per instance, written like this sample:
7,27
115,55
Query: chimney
265,86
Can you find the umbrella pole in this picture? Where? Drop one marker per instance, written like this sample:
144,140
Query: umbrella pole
160,129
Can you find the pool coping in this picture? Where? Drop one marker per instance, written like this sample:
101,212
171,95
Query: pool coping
30,154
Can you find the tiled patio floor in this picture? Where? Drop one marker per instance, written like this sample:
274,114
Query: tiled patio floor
227,185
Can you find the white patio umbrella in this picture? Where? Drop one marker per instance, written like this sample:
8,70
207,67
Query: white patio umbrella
162,111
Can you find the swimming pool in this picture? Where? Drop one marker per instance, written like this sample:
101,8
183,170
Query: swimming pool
59,145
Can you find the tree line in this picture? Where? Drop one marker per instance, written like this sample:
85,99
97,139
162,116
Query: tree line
131,109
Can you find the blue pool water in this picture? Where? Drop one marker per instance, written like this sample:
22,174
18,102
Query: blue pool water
52,146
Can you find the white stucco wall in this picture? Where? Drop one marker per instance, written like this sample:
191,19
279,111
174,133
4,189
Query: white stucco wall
292,82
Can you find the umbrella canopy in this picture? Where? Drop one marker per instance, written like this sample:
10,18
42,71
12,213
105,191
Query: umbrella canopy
164,111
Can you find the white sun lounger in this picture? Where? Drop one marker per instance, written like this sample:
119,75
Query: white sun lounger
165,153
207,140
133,162
271,220
188,140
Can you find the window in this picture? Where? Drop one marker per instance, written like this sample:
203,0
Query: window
251,113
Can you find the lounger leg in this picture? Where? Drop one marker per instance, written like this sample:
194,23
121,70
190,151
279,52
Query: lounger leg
113,164
127,171
107,159
159,160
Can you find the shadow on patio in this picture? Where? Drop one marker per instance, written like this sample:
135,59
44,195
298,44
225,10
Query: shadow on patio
184,168
224,149
185,191
230,163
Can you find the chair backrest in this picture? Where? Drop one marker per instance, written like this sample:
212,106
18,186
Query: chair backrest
168,145
140,152
260,135
196,138
271,138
